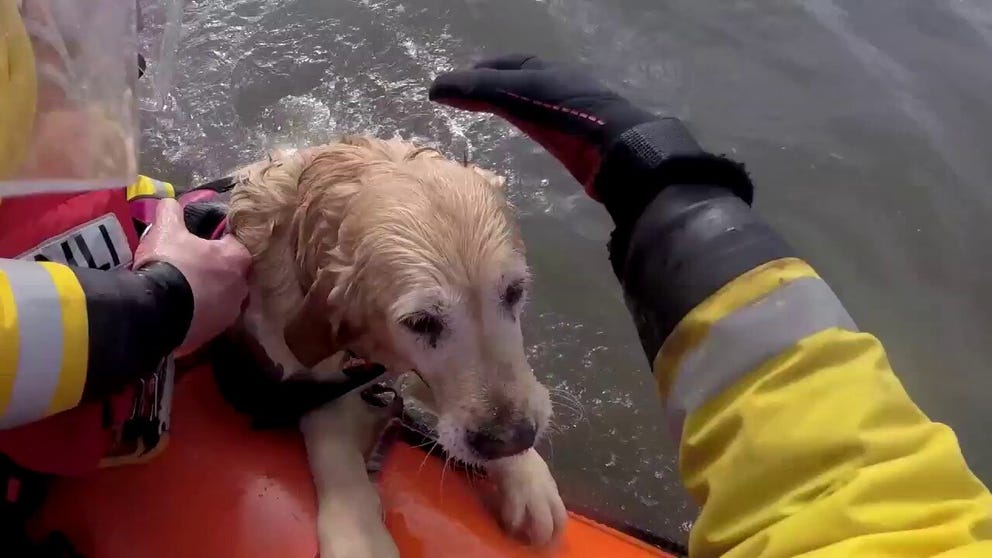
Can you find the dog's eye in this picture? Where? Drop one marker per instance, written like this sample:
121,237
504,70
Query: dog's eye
514,292
425,325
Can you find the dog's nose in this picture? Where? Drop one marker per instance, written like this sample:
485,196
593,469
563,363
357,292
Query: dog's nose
497,440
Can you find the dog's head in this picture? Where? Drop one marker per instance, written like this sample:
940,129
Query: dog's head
413,261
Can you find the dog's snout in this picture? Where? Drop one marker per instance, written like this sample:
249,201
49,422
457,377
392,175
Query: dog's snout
500,439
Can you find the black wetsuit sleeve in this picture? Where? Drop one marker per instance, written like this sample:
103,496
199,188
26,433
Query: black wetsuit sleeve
135,319
684,225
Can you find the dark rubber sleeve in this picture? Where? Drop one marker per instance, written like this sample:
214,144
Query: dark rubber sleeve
652,156
688,242
135,320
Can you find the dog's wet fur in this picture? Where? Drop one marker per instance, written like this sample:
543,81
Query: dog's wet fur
412,261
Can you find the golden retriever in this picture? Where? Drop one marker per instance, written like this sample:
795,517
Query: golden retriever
404,258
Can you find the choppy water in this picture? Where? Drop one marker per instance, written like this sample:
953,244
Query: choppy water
866,124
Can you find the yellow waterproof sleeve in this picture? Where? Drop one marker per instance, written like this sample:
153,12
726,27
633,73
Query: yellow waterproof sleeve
797,439
18,89
44,341
73,334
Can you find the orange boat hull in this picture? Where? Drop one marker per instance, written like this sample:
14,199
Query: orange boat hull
222,489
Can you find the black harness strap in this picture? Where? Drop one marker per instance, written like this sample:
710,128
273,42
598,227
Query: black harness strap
253,384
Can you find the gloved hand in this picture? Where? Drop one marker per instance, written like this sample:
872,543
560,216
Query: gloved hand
216,271
607,143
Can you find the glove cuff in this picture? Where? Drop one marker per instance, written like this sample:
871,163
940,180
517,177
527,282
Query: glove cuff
646,158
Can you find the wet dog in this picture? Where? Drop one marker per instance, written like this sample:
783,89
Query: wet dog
397,255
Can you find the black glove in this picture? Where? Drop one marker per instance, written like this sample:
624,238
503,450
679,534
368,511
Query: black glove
623,155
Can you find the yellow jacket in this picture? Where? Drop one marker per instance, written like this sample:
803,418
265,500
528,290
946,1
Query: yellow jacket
18,88
797,439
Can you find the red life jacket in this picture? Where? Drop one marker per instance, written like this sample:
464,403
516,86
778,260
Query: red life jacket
88,229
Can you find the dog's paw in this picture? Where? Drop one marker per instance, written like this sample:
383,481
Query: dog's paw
529,505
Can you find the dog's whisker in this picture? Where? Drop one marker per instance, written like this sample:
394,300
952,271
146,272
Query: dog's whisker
423,444
568,401
578,413
568,405
426,457
566,397
549,429
443,469
545,436
553,428
558,390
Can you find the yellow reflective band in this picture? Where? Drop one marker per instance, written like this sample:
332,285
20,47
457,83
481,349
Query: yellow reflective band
143,188
740,292
45,308
38,342
8,342
150,188
75,339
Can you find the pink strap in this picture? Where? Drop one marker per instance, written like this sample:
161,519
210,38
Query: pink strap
220,231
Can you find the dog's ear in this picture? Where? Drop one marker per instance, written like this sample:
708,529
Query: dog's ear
314,332
491,177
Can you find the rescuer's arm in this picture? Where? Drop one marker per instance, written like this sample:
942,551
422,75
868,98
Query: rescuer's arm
795,436
77,334
71,334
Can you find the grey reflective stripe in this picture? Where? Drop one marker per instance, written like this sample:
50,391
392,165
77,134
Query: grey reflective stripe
739,343
160,190
39,345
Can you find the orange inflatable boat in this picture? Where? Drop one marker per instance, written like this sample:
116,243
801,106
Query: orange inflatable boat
222,489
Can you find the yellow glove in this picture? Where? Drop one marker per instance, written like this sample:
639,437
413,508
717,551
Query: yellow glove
18,89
